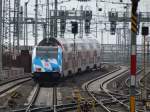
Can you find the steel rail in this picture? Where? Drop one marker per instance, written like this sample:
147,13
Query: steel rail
101,103
110,94
54,98
140,81
33,98
91,93
114,98
12,80
13,85
67,107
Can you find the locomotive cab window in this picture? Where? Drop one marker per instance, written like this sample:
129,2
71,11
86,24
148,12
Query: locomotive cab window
47,52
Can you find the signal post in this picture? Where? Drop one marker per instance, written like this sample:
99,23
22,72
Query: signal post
133,54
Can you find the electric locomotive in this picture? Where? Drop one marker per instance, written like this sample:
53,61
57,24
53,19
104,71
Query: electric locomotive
46,62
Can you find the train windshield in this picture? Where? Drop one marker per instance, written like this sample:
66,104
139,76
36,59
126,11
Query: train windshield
47,52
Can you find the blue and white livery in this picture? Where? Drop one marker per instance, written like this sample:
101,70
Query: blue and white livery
46,60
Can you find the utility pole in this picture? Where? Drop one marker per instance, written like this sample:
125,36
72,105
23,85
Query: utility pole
81,22
25,25
20,21
47,20
133,54
147,53
55,22
9,26
143,92
18,24
6,25
36,19
96,28
1,37
16,33
125,27
3,23
102,52
44,31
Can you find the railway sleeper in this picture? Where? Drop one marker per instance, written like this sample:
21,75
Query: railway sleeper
11,103
102,93
108,102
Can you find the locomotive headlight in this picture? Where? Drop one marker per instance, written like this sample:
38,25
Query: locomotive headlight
38,69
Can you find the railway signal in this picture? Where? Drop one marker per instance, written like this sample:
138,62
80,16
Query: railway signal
145,30
74,27
113,23
62,22
133,54
74,31
144,92
88,17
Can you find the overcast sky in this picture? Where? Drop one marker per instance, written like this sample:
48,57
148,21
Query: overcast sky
143,6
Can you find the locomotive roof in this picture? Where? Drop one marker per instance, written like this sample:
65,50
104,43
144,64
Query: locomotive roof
62,41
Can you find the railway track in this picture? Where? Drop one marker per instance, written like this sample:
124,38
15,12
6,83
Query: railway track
54,98
140,82
73,106
106,100
5,87
42,99
33,98
103,96
119,105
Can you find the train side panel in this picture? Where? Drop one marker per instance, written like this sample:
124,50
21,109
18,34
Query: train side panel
86,56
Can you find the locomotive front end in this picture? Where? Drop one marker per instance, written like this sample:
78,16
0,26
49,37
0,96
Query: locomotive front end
47,63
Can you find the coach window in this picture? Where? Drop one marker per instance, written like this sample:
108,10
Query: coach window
65,47
69,56
91,46
83,47
98,45
79,47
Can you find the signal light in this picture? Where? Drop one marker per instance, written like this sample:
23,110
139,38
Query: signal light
112,28
74,27
99,9
145,30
